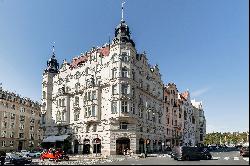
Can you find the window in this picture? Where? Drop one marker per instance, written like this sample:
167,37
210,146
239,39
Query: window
3,143
133,91
32,136
5,124
124,72
63,102
32,120
76,101
94,127
124,57
22,118
124,125
167,120
89,95
140,113
93,111
87,71
13,107
133,75
31,128
21,135
11,134
114,73
5,114
32,112
3,134
86,112
148,115
21,126
141,129
159,119
124,106
12,125
148,87
11,143
22,110
63,116
114,89
89,111
133,108
44,95
87,128
141,84
77,87
58,116
76,116
124,89
153,117
93,95
114,107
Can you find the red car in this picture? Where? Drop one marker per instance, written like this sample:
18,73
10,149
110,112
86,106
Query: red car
54,155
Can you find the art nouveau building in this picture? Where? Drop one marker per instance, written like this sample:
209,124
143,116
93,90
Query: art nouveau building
19,122
107,99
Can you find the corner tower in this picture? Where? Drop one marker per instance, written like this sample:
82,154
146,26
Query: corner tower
47,89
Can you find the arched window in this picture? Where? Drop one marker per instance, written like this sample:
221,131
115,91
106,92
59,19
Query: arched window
114,73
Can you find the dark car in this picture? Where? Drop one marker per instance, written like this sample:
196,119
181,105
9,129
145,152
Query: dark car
186,153
205,153
244,151
16,159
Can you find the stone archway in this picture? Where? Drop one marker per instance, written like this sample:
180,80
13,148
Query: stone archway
122,144
86,146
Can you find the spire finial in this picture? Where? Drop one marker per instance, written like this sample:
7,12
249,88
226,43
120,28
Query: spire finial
53,50
122,10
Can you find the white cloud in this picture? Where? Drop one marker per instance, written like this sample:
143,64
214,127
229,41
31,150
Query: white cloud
200,92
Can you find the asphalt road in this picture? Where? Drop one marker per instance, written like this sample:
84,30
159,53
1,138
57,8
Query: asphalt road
219,158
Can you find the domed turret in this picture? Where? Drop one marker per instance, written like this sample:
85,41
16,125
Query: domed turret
52,63
122,32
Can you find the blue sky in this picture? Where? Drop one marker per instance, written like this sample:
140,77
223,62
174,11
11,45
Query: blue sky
201,45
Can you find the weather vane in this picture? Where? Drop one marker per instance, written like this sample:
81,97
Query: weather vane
122,9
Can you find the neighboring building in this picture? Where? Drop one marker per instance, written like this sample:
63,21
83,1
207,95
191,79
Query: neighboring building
19,122
106,100
174,115
189,128
200,123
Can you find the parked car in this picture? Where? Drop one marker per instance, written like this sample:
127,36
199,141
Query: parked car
35,153
186,153
244,151
16,159
25,152
205,153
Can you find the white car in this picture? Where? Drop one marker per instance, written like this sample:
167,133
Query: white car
25,153
35,154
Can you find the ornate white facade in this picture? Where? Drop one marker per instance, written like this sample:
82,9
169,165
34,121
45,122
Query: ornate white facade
107,100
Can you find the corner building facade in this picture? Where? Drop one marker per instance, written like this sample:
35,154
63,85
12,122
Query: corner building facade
106,100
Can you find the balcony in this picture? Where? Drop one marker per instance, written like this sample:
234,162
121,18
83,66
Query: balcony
91,119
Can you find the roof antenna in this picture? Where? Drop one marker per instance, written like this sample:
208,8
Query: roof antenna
122,10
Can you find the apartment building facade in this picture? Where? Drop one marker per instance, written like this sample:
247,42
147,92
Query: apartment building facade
19,122
106,100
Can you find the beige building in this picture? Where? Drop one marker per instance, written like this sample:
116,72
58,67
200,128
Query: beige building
19,122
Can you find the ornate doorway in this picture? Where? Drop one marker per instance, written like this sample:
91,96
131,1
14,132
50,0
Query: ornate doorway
121,145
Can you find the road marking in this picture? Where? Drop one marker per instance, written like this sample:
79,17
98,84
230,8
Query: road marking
246,158
226,158
236,158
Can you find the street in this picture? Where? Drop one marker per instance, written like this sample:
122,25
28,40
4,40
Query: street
219,158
